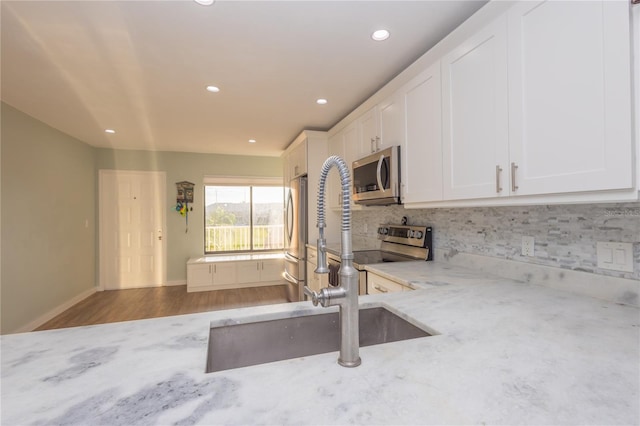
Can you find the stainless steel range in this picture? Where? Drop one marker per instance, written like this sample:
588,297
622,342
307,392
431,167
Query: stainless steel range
400,243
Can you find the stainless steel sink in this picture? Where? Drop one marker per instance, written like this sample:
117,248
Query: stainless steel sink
241,345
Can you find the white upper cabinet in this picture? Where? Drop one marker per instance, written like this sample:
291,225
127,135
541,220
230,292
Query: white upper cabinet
333,198
381,126
369,129
422,153
344,144
298,161
391,113
570,96
532,104
475,115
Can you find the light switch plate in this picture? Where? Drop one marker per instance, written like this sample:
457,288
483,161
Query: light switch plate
615,256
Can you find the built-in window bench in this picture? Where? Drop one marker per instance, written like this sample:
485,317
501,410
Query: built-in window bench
221,272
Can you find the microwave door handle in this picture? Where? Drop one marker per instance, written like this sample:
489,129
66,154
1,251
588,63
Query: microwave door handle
379,172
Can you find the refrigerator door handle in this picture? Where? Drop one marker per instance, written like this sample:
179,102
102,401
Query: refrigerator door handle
290,259
289,278
288,217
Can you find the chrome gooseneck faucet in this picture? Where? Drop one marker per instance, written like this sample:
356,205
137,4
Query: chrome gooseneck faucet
345,295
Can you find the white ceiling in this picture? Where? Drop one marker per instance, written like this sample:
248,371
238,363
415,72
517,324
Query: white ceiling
141,67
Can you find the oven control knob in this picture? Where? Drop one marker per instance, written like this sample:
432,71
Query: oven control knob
384,231
419,234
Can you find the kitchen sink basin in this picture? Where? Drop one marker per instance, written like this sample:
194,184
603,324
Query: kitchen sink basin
241,345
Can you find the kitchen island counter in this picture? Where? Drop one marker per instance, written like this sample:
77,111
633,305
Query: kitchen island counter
507,352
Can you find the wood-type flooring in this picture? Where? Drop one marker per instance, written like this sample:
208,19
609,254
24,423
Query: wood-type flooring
140,303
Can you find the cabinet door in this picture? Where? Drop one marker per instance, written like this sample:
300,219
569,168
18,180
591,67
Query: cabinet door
248,272
392,120
475,116
271,270
286,168
350,139
313,279
199,275
377,284
422,154
298,160
224,273
570,96
369,132
333,199
344,145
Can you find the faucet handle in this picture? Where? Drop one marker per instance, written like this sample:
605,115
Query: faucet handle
327,296
314,296
319,297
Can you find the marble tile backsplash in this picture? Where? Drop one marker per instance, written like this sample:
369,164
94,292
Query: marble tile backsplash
565,235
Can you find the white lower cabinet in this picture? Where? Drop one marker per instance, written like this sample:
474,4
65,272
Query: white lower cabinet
210,275
204,276
377,284
256,271
315,281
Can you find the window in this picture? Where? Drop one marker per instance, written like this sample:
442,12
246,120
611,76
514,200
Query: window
243,218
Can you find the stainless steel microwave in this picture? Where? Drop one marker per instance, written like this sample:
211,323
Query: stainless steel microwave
376,178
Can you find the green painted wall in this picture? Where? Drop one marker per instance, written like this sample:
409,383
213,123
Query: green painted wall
192,167
48,218
49,192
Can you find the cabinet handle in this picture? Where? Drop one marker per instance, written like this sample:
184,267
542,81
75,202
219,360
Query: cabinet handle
373,147
377,143
215,268
381,289
498,171
514,187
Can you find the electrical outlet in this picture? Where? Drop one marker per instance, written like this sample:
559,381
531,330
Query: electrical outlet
615,256
527,245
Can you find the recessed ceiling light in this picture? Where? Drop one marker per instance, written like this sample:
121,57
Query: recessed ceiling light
321,101
205,2
213,89
111,131
380,35
252,141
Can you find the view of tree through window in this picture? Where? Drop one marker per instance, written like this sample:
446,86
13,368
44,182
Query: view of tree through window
243,218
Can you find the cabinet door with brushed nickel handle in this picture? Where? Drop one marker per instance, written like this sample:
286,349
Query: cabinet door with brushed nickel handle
570,116
377,284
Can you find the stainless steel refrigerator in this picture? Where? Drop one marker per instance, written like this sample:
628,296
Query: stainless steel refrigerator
295,224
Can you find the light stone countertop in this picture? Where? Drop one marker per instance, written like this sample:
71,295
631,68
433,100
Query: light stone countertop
235,257
508,352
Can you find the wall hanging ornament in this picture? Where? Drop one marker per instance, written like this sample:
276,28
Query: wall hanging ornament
184,197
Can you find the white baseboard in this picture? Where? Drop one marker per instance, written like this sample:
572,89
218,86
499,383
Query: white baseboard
176,282
55,311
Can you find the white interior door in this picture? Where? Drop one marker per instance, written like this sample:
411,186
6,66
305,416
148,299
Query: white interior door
132,223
